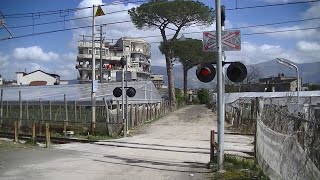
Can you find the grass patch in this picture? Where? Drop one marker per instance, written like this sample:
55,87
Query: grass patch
96,137
10,145
238,168
31,142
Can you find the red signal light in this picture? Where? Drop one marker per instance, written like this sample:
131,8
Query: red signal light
205,71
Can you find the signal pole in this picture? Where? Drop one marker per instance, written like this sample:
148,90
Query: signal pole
101,54
220,97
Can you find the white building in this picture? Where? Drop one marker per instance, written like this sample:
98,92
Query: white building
37,77
1,80
135,50
157,80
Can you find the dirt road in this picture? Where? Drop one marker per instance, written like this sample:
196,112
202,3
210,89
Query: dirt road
174,147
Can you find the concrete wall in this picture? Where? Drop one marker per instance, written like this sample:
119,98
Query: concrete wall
36,76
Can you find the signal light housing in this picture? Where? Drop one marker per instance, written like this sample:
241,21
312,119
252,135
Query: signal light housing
131,92
117,92
123,62
206,72
237,72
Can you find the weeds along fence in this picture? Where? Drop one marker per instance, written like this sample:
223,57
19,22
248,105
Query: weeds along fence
78,117
287,135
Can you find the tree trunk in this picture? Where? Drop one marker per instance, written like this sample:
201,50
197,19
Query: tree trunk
185,84
171,89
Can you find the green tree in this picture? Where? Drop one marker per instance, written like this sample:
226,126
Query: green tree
160,14
189,53
204,96
179,96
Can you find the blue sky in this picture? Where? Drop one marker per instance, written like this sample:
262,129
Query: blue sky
56,52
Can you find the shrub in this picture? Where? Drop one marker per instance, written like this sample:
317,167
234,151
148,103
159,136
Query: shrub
204,96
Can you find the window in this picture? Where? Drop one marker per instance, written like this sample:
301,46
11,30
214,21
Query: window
90,51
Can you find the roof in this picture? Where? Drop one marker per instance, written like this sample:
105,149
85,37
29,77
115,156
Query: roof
53,75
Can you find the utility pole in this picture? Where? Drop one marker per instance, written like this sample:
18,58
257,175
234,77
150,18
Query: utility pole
127,58
93,94
101,54
220,97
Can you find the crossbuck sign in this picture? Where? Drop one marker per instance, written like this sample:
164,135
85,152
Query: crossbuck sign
230,40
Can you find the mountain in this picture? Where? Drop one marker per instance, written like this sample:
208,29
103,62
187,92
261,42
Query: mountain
310,73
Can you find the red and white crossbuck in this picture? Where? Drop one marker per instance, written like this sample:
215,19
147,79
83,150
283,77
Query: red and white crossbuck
230,40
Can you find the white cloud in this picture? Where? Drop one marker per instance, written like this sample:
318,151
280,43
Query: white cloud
34,53
34,58
253,53
306,46
4,60
313,11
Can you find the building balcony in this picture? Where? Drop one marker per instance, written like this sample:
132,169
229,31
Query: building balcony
140,60
97,57
87,44
147,53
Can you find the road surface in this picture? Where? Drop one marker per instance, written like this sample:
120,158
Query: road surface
174,147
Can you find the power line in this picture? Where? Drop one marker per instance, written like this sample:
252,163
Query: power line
241,27
60,21
272,5
66,29
53,12
119,22
258,33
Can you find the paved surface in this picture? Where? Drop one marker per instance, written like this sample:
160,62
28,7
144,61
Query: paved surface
175,147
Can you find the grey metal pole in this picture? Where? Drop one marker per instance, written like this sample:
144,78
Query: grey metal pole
122,105
298,81
93,94
100,54
127,123
220,89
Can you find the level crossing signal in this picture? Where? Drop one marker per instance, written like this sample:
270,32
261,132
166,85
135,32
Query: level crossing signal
236,72
131,92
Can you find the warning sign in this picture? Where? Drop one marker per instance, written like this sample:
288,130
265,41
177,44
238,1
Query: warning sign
99,11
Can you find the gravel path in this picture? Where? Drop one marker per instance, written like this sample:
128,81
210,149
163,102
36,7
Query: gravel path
174,147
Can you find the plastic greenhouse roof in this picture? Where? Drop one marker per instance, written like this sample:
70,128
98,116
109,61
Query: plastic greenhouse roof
145,93
231,97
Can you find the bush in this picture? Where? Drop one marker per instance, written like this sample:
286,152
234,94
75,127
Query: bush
204,96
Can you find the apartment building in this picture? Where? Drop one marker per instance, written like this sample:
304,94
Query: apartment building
135,50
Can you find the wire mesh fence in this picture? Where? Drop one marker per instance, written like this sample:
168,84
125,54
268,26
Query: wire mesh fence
287,134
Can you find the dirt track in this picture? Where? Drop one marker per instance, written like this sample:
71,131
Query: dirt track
174,147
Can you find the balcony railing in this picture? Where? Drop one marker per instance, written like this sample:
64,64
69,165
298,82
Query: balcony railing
108,57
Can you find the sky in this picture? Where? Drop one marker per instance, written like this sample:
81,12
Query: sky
57,52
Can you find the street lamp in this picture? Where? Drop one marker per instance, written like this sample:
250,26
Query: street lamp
289,64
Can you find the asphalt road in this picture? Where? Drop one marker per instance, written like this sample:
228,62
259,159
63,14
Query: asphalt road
174,147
